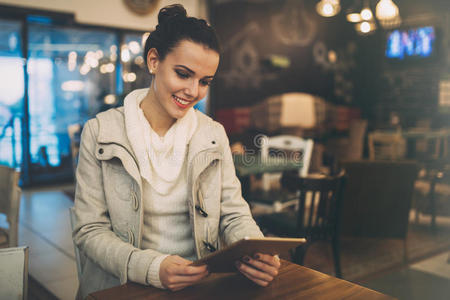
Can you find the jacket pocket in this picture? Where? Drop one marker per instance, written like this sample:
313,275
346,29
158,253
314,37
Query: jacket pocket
117,182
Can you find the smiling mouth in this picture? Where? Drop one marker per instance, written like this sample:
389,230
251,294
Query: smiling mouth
181,102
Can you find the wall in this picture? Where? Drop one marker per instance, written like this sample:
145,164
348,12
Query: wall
409,90
272,47
111,13
253,31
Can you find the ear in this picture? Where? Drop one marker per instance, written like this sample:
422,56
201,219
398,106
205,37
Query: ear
152,60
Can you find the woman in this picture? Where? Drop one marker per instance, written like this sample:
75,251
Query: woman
156,185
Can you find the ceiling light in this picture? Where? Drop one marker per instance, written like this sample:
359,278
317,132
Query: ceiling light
72,86
354,17
366,14
386,9
328,8
134,47
129,77
125,54
365,27
72,61
99,54
84,69
387,13
139,60
332,56
110,99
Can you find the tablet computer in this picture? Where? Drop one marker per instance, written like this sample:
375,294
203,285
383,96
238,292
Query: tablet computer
222,261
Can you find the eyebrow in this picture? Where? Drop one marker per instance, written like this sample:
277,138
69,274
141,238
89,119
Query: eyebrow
191,71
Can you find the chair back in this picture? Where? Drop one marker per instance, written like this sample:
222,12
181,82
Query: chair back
287,147
386,145
10,202
319,205
378,197
79,256
14,273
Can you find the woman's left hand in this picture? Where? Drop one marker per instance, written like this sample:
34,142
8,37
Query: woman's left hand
261,268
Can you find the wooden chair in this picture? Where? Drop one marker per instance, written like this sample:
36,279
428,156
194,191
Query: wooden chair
10,203
14,273
386,145
284,148
317,217
377,199
287,147
432,192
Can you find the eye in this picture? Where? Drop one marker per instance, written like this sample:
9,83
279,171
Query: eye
205,82
182,74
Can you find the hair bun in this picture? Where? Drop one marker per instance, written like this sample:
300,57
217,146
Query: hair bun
170,12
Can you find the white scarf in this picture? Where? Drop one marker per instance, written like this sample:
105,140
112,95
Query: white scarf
160,159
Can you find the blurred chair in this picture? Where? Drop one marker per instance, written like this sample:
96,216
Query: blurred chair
284,148
432,191
350,147
386,145
317,217
79,256
377,199
10,203
14,273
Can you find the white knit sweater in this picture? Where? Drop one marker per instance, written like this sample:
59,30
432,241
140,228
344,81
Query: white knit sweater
166,217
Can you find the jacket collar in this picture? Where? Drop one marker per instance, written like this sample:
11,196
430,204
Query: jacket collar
112,131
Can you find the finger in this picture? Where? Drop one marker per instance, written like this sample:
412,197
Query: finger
261,266
187,279
246,269
177,286
189,270
273,260
255,280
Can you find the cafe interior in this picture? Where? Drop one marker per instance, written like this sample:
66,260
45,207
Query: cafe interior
337,114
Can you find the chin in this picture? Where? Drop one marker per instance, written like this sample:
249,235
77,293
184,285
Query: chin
179,114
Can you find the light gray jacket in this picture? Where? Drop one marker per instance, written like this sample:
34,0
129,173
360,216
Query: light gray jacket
108,200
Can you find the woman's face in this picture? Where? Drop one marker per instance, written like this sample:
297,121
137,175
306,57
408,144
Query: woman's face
182,78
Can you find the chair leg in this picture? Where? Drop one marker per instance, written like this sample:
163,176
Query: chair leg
337,257
298,255
13,234
405,251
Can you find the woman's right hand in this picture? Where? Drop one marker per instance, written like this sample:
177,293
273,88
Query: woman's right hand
176,273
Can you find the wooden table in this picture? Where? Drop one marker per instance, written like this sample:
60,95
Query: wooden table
293,282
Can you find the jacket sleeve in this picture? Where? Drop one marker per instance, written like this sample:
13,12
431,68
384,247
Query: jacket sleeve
236,221
92,232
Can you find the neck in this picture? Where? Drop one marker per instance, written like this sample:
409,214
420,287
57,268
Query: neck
156,115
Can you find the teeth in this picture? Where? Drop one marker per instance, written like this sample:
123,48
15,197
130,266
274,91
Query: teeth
181,101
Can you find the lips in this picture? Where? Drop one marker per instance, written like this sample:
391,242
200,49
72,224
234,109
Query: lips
182,103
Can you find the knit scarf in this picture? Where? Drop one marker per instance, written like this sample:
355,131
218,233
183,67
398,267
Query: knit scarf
160,159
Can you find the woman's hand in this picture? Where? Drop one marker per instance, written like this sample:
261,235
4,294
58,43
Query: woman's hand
261,269
176,274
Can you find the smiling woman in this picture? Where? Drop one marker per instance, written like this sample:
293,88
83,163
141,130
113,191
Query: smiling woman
181,80
156,184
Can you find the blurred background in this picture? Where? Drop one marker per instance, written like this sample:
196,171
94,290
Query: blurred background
354,87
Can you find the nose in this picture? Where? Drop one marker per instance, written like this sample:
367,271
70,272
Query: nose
192,89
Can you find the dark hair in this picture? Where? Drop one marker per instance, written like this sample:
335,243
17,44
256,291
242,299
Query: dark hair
174,26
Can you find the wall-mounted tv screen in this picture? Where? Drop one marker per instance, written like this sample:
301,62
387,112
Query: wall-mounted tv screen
414,43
